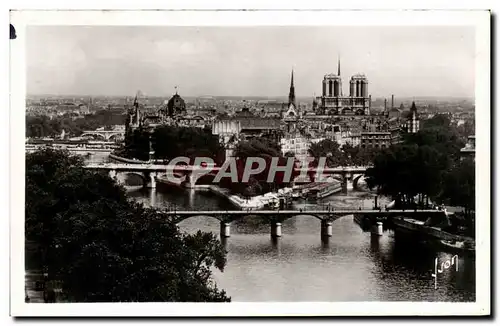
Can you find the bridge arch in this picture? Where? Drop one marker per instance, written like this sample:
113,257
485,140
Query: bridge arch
356,179
115,137
121,176
179,218
95,134
276,218
337,177
303,214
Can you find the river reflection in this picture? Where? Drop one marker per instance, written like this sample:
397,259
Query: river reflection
353,266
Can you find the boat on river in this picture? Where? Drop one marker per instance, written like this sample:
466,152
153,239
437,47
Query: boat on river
458,246
323,190
421,228
272,204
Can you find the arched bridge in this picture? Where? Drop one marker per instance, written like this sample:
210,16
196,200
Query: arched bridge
348,174
276,217
148,172
105,134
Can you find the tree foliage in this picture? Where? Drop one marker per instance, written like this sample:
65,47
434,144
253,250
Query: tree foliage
405,171
258,184
426,164
136,145
172,141
346,155
43,126
105,248
460,185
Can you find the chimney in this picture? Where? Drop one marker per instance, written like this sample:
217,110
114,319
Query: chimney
392,102
385,104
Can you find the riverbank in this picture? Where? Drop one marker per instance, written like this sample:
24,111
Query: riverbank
126,160
251,203
365,267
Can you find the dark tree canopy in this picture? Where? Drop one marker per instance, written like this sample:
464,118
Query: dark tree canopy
460,185
103,247
341,156
257,184
137,144
427,164
171,141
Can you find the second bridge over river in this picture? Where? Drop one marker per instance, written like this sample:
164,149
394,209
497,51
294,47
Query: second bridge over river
149,173
276,217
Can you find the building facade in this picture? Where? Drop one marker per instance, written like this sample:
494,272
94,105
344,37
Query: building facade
380,139
470,148
296,144
413,123
333,101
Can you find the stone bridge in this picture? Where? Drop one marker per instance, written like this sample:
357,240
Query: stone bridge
276,217
348,176
105,134
148,172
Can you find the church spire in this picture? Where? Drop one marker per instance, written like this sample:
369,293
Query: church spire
413,107
338,67
291,94
136,104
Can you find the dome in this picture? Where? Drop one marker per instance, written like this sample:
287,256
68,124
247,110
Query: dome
176,105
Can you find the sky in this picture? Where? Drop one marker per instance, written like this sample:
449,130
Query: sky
248,61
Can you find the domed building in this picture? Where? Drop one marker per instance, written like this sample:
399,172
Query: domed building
176,106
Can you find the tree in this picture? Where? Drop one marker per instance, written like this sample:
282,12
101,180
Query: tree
419,165
43,126
467,129
264,148
171,141
460,186
103,247
329,149
405,171
136,144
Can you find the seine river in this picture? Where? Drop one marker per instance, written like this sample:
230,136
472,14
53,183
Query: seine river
353,266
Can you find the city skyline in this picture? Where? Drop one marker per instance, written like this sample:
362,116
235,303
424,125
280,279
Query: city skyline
119,61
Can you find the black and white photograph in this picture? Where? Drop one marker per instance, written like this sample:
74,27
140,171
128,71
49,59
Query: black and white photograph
278,162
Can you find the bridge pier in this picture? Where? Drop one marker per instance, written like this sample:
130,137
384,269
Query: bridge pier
275,230
225,230
191,182
152,198
150,180
378,229
326,229
112,174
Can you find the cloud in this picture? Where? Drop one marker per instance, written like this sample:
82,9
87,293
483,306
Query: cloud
409,61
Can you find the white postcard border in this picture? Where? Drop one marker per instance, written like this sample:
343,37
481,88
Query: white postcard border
479,19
